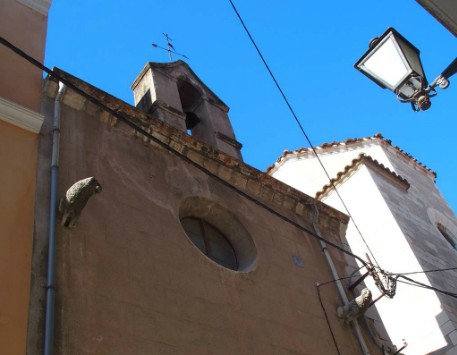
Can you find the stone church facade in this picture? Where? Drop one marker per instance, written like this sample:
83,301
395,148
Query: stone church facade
185,249
169,243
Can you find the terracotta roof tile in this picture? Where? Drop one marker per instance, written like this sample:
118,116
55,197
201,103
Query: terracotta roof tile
347,142
361,159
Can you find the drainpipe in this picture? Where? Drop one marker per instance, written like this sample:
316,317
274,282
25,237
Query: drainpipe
339,285
51,277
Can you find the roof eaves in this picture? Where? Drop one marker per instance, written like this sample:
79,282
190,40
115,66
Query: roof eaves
369,161
287,154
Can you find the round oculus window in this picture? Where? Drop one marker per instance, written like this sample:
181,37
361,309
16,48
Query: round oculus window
218,234
211,242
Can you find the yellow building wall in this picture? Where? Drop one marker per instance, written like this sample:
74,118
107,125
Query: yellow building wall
25,28
20,88
17,181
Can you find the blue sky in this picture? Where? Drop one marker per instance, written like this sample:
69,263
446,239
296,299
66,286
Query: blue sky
311,47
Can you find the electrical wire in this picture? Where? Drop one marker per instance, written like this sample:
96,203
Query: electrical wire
412,282
335,280
326,317
188,160
300,126
342,278
227,184
426,271
416,283
180,155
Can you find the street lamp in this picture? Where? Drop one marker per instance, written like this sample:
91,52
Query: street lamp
394,63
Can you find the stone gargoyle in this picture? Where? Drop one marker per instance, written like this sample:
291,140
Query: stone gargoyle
75,200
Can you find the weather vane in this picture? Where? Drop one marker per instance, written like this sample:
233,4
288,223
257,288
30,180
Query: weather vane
170,49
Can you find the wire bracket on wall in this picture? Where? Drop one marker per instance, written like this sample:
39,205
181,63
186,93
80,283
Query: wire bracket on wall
385,281
358,281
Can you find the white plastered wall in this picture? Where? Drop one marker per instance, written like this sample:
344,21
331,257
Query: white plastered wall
412,313
306,174
399,231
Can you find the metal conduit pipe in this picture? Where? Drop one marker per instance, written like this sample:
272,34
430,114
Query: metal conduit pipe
51,276
339,285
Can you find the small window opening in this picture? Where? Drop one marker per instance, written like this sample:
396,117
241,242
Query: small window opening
210,241
190,99
447,235
191,121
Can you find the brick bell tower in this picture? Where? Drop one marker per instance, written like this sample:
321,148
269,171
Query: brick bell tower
174,94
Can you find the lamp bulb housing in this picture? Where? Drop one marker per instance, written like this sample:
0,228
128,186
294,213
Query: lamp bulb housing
423,102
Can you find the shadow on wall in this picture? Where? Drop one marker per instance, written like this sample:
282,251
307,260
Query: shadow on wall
145,102
443,320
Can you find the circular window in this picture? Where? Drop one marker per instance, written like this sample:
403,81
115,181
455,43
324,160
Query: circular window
210,241
218,234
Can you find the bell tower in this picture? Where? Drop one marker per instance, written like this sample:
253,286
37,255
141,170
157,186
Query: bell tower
174,94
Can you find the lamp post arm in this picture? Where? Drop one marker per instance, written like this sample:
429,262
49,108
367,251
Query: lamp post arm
443,79
450,70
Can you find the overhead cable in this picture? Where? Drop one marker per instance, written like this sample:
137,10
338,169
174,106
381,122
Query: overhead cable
143,132
416,283
426,271
300,125
140,130
326,317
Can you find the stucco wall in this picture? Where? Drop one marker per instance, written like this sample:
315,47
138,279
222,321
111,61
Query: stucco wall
414,214
25,28
17,181
306,174
20,91
131,282
398,226
412,313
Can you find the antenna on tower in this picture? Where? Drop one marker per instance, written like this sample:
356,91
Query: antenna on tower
170,49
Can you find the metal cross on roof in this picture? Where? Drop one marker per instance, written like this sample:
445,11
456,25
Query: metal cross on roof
170,49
